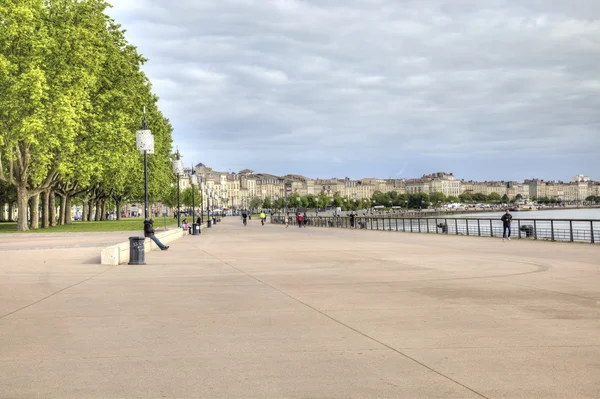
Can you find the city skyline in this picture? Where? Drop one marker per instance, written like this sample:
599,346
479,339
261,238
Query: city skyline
342,177
386,90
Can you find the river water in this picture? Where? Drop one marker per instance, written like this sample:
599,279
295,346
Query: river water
581,225
585,214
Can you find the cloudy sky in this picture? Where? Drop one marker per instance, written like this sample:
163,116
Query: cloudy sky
494,89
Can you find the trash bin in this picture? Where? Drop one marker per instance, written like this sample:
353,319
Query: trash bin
209,223
444,227
195,229
528,230
137,256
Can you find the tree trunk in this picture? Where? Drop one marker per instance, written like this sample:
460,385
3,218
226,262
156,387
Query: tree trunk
2,211
98,211
68,213
90,210
84,205
22,202
35,212
118,202
103,214
11,210
45,209
51,208
61,210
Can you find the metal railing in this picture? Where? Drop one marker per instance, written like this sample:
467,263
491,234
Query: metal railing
571,230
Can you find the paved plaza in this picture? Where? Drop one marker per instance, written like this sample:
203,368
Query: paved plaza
270,312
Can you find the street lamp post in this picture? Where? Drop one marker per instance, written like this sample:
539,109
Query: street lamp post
193,182
145,144
178,170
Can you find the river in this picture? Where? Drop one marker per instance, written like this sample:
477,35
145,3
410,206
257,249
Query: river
582,214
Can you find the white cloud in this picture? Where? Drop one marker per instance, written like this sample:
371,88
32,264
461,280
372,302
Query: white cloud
462,86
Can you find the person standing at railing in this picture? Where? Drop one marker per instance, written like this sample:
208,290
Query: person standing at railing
506,220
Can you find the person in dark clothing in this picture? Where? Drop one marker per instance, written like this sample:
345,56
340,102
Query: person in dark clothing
244,216
352,216
149,232
506,220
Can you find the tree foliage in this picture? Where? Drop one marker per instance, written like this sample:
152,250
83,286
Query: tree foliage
72,94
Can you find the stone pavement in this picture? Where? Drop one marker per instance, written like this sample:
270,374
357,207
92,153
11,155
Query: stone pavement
269,312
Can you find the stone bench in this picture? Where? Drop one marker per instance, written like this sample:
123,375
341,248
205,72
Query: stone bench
119,253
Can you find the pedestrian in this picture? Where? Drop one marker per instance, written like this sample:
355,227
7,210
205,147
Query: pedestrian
286,221
352,220
506,220
299,219
149,233
186,226
304,219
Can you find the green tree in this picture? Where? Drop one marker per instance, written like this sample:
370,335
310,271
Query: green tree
311,201
418,201
255,203
453,199
437,198
323,200
505,199
494,197
267,203
518,197
465,198
279,204
480,197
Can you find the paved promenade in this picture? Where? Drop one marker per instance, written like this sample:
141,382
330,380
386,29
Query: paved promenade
269,312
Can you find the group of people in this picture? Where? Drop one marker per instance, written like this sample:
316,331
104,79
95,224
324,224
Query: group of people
301,219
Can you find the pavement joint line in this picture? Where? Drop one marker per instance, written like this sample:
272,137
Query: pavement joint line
352,328
56,293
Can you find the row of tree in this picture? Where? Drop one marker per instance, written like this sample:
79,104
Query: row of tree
72,96
388,200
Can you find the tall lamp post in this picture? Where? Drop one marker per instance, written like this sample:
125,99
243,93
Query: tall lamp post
145,144
193,183
178,170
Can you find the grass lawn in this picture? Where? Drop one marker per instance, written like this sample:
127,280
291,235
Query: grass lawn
87,227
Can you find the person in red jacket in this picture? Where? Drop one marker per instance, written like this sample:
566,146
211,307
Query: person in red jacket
299,219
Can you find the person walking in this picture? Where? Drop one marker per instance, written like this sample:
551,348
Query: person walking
286,220
304,219
352,220
244,216
149,233
299,219
186,226
506,220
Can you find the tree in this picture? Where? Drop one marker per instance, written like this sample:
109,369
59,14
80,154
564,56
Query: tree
494,197
479,197
255,203
311,201
505,199
279,204
437,198
453,199
267,203
72,93
323,201
518,197
465,198
418,201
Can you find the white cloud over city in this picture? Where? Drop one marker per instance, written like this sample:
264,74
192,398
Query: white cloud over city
377,88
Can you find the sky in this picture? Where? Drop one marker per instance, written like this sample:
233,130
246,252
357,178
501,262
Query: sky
487,90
